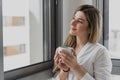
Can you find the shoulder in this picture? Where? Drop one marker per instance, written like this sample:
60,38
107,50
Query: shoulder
99,49
102,52
98,46
102,49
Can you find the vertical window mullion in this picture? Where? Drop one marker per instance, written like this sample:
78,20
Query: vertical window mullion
46,29
1,44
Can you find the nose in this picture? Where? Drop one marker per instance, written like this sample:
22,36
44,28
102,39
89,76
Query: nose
73,22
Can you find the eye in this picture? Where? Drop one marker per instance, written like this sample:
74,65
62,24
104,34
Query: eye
79,21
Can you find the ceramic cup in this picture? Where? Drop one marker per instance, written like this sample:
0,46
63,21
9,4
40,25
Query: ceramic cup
68,49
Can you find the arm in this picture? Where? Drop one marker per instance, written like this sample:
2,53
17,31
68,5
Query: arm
102,67
63,75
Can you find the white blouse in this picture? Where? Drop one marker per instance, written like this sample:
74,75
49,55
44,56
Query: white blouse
96,61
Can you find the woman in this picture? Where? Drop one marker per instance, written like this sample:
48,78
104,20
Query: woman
89,60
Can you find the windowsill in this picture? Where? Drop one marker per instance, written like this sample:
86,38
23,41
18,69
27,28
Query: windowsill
115,77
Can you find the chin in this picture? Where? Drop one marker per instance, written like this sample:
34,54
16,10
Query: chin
72,33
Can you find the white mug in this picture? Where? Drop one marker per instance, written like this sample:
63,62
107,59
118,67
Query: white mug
68,49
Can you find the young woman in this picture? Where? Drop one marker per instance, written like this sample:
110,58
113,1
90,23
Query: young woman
89,59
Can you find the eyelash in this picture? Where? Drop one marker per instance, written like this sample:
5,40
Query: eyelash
78,21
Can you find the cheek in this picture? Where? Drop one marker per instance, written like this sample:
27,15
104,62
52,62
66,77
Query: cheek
82,28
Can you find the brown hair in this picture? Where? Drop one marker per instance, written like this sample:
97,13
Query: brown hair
93,18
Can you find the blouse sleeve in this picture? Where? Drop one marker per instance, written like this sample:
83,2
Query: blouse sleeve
102,67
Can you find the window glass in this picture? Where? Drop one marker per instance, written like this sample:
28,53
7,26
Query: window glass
22,33
114,29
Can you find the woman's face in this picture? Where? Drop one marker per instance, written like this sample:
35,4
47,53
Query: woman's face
79,25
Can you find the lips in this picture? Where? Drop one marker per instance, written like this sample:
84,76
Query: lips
74,29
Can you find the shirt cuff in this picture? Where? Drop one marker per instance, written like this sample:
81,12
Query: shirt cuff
87,76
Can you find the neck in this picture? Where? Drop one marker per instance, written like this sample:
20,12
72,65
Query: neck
81,41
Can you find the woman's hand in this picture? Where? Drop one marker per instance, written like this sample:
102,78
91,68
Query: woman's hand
58,62
69,59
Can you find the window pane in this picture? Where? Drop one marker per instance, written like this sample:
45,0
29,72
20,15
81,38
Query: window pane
22,33
114,29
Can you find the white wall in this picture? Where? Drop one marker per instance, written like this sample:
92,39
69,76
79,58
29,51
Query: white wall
69,7
36,31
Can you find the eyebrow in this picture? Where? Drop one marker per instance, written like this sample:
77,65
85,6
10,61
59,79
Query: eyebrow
81,19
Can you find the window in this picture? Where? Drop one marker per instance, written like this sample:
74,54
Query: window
114,35
22,33
28,32
114,29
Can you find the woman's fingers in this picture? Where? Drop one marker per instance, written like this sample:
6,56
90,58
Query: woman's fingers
65,60
68,58
66,54
73,53
56,61
56,54
62,66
